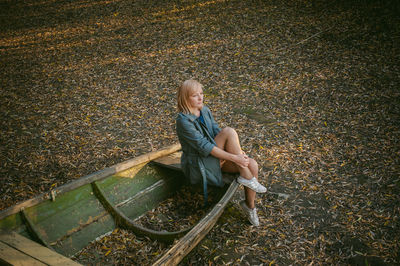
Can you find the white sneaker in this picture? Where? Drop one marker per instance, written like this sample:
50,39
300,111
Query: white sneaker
252,184
250,213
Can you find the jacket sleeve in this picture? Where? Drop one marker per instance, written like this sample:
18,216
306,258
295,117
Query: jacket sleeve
188,134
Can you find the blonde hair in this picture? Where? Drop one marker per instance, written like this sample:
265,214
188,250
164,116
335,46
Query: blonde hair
184,91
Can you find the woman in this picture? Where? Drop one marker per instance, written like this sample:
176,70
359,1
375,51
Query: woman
207,149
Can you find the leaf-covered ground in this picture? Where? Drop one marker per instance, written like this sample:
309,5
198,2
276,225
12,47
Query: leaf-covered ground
312,87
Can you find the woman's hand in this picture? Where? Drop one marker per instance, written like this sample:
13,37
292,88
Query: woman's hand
242,160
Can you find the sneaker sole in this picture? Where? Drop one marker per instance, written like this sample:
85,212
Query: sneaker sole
258,191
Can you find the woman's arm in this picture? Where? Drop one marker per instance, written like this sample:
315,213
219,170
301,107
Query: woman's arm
187,133
240,159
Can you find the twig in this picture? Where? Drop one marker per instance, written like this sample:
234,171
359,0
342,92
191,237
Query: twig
303,41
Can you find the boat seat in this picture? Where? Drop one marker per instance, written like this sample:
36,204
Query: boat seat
172,161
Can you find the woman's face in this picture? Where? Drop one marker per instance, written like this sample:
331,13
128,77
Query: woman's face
196,99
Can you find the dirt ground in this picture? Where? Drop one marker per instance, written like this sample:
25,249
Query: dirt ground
312,87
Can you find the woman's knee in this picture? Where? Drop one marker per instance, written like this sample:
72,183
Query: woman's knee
253,163
229,131
253,166
224,136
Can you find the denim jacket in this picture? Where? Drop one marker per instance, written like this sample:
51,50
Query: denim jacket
197,142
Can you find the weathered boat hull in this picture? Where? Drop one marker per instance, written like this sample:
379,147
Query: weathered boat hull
70,217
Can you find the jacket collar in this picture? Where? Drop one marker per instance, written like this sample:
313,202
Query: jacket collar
190,116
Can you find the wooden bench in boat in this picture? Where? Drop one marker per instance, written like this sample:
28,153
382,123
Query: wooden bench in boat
172,161
16,249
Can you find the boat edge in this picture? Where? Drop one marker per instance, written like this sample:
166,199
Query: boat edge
189,241
90,178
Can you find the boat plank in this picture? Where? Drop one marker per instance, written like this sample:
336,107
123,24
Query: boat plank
76,209
32,230
23,251
121,186
74,241
172,160
10,256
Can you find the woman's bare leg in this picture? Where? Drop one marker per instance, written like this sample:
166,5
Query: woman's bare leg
250,195
228,140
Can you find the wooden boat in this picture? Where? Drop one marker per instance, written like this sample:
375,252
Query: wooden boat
68,218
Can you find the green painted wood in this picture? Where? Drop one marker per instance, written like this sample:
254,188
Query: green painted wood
49,208
132,189
14,223
70,245
144,202
125,222
126,193
99,175
11,223
76,217
123,186
74,209
77,209
32,230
